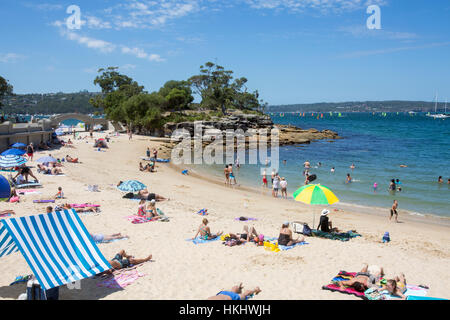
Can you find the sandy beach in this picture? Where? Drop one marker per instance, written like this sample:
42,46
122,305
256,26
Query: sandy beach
183,270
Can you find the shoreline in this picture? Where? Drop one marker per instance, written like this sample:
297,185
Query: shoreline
425,218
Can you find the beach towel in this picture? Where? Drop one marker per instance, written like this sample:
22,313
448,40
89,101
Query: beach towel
199,240
291,247
110,241
245,219
342,276
121,280
138,220
203,212
20,279
84,205
28,191
5,215
343,236
43,201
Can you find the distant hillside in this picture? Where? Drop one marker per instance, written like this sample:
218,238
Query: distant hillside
358,106
49,103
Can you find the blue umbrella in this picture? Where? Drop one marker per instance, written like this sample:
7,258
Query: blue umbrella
11,161
5,189
47,159
18,145
131,186
13,152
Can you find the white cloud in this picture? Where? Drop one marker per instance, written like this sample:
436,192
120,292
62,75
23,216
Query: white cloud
361,31
100,45
44,6
323,6
141,54
10,57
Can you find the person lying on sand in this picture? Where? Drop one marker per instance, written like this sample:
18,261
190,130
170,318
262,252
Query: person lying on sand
87,208
248,234
7,212
285,238
205,231
235,294
70,159
396,286
122,260
365,279
101,238
53,171
144,194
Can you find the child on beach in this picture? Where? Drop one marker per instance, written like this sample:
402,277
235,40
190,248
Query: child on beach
60,194
265,179
283,186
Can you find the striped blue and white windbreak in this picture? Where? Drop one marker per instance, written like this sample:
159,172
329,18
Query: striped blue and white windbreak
7,244
57,247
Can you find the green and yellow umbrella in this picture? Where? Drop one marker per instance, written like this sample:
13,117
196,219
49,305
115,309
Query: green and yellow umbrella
315,194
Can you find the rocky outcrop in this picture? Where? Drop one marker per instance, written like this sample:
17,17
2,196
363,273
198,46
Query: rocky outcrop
250,125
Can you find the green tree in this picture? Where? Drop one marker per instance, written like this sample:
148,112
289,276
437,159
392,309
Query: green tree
116,89
143,110
178,95
6,89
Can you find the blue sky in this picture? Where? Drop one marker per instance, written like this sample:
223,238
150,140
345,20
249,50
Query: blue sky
292,51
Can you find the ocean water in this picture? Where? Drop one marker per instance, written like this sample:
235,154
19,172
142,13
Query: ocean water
377,145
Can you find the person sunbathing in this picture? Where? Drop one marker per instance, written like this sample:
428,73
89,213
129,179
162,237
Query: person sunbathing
92,209
147,167
7,212
396,287
122,260
102,238
248,234
52,171
285,237
145,194
205,231
150,212
365,279
70,159
235,294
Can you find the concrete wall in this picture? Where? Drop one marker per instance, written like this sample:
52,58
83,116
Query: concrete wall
25,133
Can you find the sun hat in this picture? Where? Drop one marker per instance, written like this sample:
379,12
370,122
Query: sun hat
286,223
325,212
153,201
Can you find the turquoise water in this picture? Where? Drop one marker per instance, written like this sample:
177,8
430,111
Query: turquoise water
377,145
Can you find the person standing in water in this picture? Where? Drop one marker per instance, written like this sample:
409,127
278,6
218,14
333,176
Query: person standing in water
394,211
275,186
440,180
349,178
375,186
232,177
392,186
237,164
226,172
332,170
265,178
352,166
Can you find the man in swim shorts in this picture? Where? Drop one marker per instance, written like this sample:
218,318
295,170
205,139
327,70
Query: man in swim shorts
394,211
122,260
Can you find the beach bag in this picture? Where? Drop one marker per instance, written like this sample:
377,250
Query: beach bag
306,230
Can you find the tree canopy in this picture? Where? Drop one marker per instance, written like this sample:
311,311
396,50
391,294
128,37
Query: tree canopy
6,89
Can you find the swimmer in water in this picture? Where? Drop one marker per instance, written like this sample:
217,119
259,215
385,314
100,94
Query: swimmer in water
440,180
352,166
349,179
332,170
307,164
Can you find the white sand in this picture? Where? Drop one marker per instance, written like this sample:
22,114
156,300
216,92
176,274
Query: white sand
182,270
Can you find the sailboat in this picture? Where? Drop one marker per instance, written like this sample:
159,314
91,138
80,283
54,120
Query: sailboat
439,115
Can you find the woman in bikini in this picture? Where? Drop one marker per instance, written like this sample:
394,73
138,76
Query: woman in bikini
396,287
365,279
205,231
236,294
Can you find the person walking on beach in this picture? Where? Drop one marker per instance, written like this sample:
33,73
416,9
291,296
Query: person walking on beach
30,151
226,172
275,186
283,186
394,211
232,177
155,154
265,178
148,152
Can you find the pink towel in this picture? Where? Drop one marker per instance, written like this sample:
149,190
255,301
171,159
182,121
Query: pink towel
137,219
125,278
84,205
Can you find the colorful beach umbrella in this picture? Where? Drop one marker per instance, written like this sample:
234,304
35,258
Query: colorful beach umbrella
18,145
315,194
131,186
13,152
47,159
10,161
